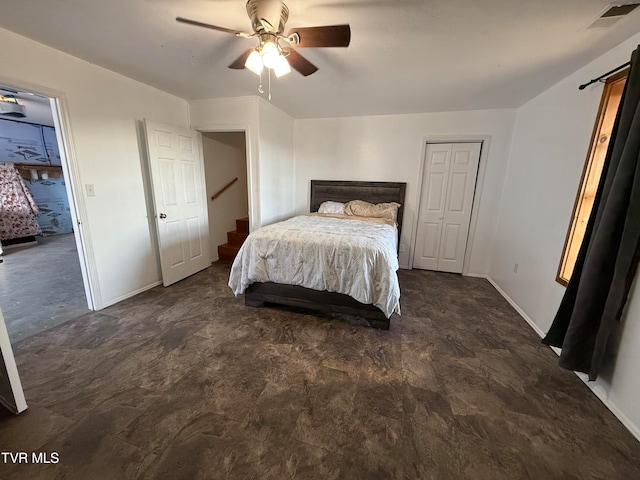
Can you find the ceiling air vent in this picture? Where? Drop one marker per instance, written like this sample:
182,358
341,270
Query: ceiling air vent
612,14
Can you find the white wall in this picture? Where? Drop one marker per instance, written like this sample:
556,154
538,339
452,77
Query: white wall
224,159
391,148
548,152
103,110
276,163
269,134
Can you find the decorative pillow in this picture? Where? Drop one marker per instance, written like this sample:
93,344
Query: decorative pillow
331,207
366,209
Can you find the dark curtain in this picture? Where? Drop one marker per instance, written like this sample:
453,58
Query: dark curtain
607,261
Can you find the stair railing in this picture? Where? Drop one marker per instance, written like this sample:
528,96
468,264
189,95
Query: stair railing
222,190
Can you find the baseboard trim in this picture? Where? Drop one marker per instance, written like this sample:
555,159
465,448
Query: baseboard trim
516,306
130,294
598,392
613,408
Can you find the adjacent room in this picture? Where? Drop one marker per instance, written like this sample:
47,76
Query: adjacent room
480,321
41,267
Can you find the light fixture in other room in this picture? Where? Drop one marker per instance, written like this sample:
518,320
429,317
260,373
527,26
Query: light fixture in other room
10,107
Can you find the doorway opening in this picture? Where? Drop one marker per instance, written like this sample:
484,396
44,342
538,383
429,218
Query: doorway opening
225,165
43,277
188,171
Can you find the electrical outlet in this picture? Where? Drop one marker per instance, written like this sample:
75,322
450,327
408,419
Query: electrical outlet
401,250
515,268
91,191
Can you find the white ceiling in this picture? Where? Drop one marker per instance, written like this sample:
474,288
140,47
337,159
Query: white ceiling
405,55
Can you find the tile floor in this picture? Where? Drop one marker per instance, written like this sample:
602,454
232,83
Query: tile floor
186,382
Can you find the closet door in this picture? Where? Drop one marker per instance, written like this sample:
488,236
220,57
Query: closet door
445,207
432,206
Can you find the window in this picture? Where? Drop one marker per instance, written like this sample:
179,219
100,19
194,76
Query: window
609,103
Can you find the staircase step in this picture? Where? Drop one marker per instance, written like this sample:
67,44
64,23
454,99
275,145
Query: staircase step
227,253
236,238
242,225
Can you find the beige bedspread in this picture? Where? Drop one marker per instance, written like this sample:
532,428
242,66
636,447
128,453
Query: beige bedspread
356,257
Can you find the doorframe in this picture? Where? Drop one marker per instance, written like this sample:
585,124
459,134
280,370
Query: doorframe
253,180
13,377
77,207
484,141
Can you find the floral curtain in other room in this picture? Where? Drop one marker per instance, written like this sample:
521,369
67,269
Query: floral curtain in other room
17,208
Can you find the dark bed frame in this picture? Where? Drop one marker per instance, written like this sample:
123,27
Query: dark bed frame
258,294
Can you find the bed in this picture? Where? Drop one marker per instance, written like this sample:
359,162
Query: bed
259,294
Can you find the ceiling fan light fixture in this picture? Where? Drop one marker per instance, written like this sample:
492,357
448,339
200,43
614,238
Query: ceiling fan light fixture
254,62
268,19
270,54
282,67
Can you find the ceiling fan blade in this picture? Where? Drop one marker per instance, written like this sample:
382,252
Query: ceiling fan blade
238,63
212,27
298,62
329,36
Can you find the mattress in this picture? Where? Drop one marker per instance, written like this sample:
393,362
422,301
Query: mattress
350,255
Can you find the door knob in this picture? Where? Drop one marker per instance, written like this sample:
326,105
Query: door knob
162,215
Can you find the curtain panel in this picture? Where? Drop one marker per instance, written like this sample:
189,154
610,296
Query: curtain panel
608,258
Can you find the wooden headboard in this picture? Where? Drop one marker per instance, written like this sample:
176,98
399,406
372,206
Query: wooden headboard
372,192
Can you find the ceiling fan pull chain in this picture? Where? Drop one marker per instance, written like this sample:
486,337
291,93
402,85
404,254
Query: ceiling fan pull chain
260,89
269,84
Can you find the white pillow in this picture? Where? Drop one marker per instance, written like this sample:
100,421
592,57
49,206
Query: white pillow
331,207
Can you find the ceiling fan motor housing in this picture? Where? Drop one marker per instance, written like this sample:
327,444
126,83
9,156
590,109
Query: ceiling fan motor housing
274,12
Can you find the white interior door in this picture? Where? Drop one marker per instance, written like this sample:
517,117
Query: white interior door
177,177
445,207
11,394
432,205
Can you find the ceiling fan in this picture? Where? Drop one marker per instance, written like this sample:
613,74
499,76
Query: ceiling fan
268,18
